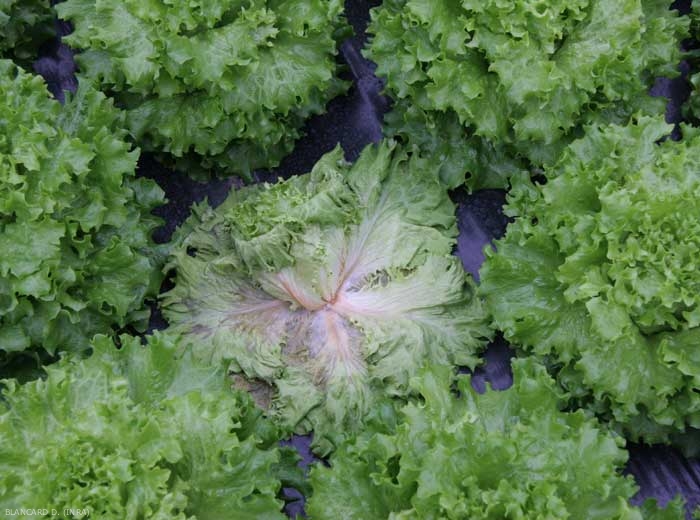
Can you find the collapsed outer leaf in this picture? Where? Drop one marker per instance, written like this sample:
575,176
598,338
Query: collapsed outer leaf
331,288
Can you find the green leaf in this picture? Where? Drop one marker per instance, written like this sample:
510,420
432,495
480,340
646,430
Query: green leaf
138,432
69,196
597,275
456,453
520,79
216,84
24,26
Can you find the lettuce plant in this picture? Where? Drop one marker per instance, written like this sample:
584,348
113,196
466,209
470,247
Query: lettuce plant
459,454
327,291
138,433
219,83
692,107
75,223
24,25
512,82
598,275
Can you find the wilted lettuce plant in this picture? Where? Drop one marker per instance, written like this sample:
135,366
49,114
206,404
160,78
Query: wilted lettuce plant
76,254
327,291
215,83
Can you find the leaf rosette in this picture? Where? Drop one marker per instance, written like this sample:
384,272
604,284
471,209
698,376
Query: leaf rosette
77,257
329,289
212,83
458,454
138,432
597,274
511,83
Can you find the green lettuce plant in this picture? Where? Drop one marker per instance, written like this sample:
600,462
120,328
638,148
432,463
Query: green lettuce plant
692,106
24,25
214,83
499,455
76,257
328,290
490,87
138,433
598,276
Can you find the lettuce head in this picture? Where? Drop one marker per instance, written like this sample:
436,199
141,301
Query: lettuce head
458,454
327,291
138,433
212,83
76,257
598,276
491,86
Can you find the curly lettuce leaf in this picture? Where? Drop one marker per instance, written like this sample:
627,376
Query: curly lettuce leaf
331,288
214,84
472,161
75,224
138,433
460,454
597,275
520,79
24,26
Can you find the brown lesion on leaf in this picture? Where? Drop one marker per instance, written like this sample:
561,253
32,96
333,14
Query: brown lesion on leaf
261,392
202,330
297,337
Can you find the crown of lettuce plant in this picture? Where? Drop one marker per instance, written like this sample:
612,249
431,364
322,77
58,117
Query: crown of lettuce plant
460,454
598,275
139,433
330,288
24,25
517,80
214,83
75,224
